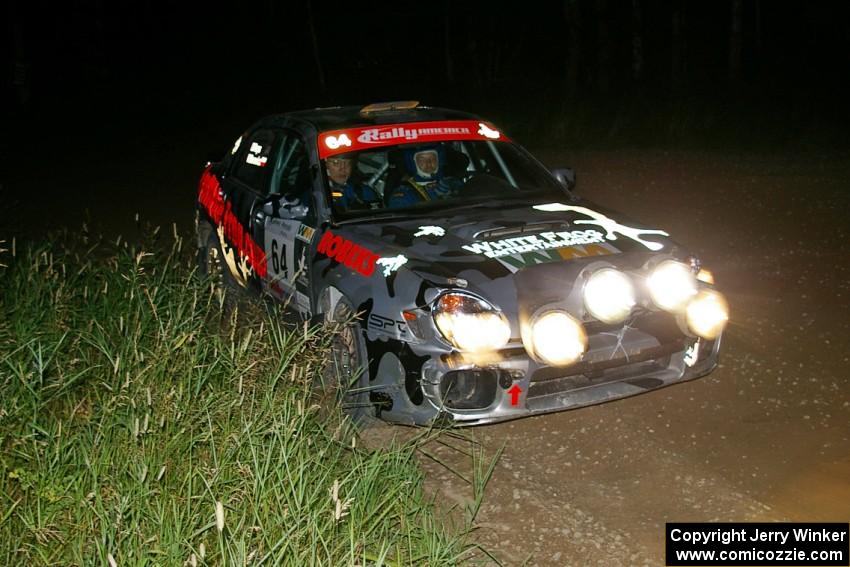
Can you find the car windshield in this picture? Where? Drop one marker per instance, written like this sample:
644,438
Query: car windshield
408,179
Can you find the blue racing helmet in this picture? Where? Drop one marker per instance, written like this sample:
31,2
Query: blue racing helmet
412,164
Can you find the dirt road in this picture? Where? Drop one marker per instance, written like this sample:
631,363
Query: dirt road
765,437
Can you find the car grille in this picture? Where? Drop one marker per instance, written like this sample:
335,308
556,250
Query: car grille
550,380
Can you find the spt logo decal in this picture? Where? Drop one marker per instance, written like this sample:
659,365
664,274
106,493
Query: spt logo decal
359,259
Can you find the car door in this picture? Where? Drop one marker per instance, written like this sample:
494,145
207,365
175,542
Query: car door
289,224
246,185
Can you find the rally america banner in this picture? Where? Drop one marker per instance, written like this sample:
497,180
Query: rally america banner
364,137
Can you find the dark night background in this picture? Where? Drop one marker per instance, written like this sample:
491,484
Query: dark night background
724,122
139,94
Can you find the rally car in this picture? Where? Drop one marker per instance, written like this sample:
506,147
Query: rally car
476,285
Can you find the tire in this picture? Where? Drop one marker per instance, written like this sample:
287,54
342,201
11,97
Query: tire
346,376
213,268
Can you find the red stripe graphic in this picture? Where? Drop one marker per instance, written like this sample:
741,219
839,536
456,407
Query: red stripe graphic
363,137
210,197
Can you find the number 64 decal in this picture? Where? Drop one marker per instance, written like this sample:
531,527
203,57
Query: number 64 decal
278,256
280,241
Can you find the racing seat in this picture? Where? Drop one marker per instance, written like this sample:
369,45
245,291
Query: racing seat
395,174
457,163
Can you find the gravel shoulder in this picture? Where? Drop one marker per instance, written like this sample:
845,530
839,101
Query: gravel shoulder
763,438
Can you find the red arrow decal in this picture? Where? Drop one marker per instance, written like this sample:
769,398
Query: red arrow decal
515,392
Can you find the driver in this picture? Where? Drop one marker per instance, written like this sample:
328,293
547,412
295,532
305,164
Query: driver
424,179
347,193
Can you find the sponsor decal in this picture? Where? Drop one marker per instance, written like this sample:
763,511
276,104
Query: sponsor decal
430,231
692,354
611,227
302,302
531,242
334,142
279,248
377,135
388,325
363,137
344,251
211,199
488,132
305,233
282,227
254,157
516,262
392,264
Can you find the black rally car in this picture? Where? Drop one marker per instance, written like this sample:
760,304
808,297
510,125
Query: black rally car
486,290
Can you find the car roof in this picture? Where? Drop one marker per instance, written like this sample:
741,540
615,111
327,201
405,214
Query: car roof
337,117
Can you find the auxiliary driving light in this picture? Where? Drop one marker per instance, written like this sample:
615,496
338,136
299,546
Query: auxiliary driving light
671,285
707,314
470,323
558,339
609,295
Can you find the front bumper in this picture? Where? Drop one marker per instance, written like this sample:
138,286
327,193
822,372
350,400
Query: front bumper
616,365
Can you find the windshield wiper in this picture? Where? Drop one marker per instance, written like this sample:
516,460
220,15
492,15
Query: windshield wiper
374,218
509,202
437,207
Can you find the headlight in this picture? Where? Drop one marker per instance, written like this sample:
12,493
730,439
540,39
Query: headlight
707,314
705,276
557,338
471,324
609,295
671,285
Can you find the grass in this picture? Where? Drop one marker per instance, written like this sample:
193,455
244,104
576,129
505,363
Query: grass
139,426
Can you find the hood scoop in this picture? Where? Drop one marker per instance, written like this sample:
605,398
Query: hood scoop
519,230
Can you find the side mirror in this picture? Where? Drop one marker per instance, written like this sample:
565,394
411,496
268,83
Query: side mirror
566,176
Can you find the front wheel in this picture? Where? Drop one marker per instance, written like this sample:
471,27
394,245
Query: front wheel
346,375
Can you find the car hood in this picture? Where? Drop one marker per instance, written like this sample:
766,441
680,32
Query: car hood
495,240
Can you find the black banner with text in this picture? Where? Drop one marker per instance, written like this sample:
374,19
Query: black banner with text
820,544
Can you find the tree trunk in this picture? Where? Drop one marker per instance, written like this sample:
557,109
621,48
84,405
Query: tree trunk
315,42
735,40
637,42
20,64
603,48
758,32
678,51
492,51
447,51
573,21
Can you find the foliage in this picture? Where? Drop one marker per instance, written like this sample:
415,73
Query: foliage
139,425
